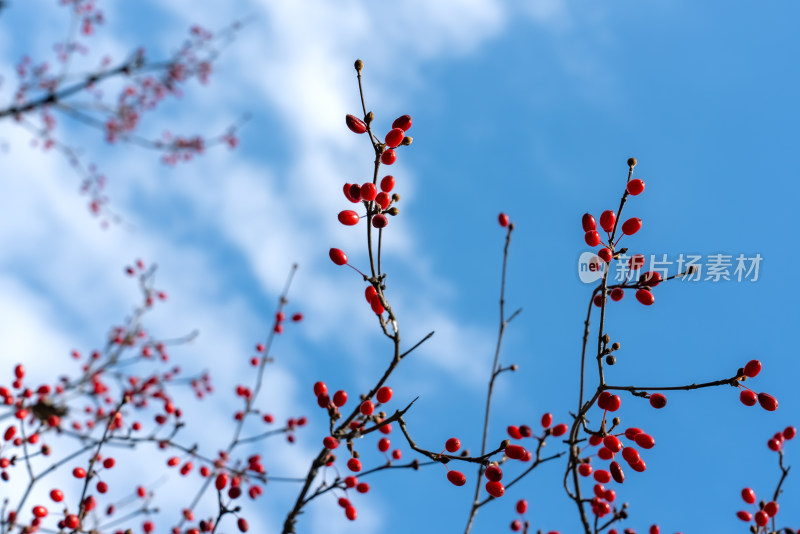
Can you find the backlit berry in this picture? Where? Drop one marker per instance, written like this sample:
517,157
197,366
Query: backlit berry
383,200
320,389
355,124
388,157
495,489
752,368
588,223
39,511
384,444
384,394
748,495
337,256
635,187
494,473
79,472
380,221
403,122
457,478
57,495
547,420
394,137
658,401
503,220
452,445
387,183
368,191
768,402
348,217
340,397
631,226
645,297
607,220
748,397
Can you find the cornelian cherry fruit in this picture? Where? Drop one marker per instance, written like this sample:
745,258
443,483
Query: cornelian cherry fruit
503,220
588,222
658,401
547,420
585,470
367,407
515,452
514,432
616,472
752,368
354,465
559,430
452,444
522,506
635,187
394,137
636,262
768,402
605,254
495,488
383,200
748,397
340,397
387,183
645,297
389,156
592,238
744,516
403,122
457,478
607,220
631,226
355,124
748,495
384,394
602,476
494,473
337,256
379,220
368,191
617,293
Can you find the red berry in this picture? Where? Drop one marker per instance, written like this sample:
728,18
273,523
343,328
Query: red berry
559,430
768,402
645,441
516,525
617,293
368,191
348,217
598,300
39,511
613,403
658,401
585,470
376,305
242,524
353,193
457,478
522,506
57,495
503,220
748,397
452,444
337,256
379,220
384,394
350,481
771,508
494,473
592,238
320,389
79,472
744,516
367,407
605,254
350,513
388,157
387,183
774,445
403,122
635,187
650,278
594,441
370,292
355,124
752,368
636,262
605,454
515,452
547,420
645,297
616,472
588,223
72,521
495,488
394,137
340,397
513,431
631,226
630,455
19,371
602,476
354,465
761,518
748,495
631,432
383,200
221,481
330,442
639,466
525,431
362,487
607,220
654,529
612,443
789,432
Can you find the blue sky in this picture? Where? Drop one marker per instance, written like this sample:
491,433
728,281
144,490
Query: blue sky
527,109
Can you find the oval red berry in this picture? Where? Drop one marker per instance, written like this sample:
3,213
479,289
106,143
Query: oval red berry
337,256
457,478
635,187
752,368
387,183
388,157
592,238
588,222
631,226
403,122
394,137
355,124
348,217
607,220
645,297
